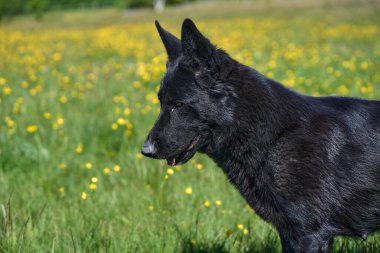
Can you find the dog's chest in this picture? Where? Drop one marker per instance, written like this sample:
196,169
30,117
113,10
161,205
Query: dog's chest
245,163
255,186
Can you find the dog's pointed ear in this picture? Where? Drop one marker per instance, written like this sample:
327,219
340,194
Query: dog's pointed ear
194,44
171,43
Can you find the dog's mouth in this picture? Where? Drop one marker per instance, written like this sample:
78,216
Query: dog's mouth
184,156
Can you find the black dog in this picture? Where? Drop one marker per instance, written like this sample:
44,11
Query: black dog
308,165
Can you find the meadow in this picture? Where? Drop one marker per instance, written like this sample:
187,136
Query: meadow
78,96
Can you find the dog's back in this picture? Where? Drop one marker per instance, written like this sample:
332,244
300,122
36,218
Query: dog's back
328,166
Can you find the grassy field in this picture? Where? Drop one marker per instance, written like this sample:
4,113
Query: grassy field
78,96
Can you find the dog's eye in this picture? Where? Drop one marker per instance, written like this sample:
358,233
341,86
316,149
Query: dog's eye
176,104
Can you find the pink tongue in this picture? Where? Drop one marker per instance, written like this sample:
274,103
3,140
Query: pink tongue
173,162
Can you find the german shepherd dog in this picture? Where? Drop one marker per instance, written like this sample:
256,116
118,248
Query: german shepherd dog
308,165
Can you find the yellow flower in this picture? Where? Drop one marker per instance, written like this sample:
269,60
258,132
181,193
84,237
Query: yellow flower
61,189
79,148
2,80
91,76
343,90
136,84
151,208
93,186
370,88
106,170
218,202
188,190
84,195
240,226
57,57
20,100
7,90
127,111
117,99
11,123
24,84
47,115
33,92
31,129
117,110
62,166
33,77
16,108
199,166
139,156
272,64
364,65
116,168
60,121
121,121
66,79
170,171
114,126
207,203
94,180
289,82
88,165
245,231
63,99
129,124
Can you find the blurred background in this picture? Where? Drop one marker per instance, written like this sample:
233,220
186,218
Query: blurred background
78,84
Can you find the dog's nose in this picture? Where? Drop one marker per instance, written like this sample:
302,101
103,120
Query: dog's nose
148,149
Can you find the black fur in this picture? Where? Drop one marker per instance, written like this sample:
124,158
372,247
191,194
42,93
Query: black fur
308,165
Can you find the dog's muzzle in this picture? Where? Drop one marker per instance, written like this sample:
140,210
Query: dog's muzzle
149,149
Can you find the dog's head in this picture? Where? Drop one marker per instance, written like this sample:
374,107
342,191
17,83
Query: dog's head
194,98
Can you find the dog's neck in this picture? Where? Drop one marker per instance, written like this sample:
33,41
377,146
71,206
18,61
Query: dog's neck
261,118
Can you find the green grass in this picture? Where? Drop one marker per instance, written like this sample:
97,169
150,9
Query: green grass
86,68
